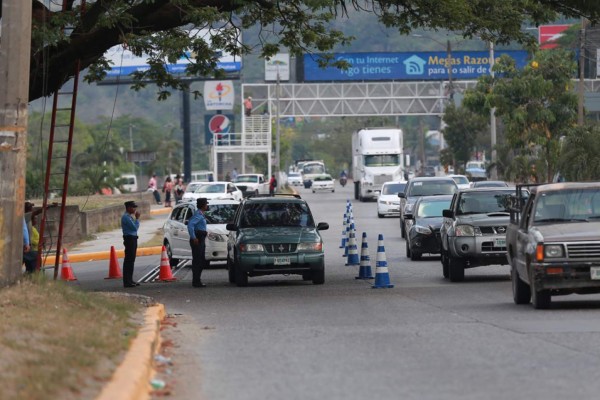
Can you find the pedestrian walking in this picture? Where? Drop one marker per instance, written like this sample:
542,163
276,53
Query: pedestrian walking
130,223
248,106
154,189
272,185
197,231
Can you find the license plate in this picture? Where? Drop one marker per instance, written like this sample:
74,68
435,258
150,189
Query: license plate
282,261
500,242
595,273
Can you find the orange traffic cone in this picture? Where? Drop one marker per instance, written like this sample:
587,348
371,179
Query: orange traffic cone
66,272
165,274
114,269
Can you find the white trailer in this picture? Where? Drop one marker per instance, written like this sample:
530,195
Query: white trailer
377,157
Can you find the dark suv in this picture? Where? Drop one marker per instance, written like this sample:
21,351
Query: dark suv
422,186
275,235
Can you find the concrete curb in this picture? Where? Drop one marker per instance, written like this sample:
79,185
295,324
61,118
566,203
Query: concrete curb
131,380
103,255
161,211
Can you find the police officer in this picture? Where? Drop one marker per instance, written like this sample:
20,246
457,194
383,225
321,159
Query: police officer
130,224
197,231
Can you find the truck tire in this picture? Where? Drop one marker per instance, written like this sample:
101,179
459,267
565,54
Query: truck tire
318,276
540,299
456,267
402,233
414,256
445,266
407,249
230,271
356,190
241,277
521,290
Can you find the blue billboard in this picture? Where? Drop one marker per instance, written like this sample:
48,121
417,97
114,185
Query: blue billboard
407,65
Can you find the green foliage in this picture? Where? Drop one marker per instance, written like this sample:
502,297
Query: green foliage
580,157
462,128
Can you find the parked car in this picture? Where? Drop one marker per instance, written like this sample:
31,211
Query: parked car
423,226
129,182
461,181
480,184
176,238
323,183
388,202
252,184
473,233
275,235
203,176
422,186
553,242
214,190
294,179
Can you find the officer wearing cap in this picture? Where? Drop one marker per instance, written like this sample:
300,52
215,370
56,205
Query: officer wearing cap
197,231
130,223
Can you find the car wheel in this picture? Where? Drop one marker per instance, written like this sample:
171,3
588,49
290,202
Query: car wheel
445,266
379,215
241,277
414,256
456,267
333,191
230,271
318,276
521,290
313,191
306,276
172,261
540,299
402,233
407,249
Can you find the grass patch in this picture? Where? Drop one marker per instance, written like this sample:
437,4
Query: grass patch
60,342
156,240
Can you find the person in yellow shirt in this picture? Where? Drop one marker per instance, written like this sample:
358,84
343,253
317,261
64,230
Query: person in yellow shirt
30,257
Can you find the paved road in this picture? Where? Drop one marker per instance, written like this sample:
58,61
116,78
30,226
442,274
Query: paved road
427,338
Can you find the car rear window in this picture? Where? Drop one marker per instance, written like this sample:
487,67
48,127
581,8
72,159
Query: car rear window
276,214
393,188
220,213
432,188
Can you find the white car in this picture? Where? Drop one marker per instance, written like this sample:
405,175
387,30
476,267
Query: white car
252,184
177,239
461,181
322,183
294,179
388,202
214,190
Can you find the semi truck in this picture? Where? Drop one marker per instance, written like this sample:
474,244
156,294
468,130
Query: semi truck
377,157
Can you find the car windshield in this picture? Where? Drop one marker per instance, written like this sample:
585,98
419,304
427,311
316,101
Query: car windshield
246,178
191,188
568,205
276,214
432,188
294,175
461,180
393,188
220,213
313,168
484,202
211,188
429,209
382,160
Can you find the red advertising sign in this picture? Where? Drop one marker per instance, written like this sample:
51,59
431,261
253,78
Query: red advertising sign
549,33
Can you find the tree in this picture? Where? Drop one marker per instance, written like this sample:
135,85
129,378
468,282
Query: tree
580,156
462,128
157,28
536,105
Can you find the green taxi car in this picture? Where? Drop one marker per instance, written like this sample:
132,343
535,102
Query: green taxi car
275,235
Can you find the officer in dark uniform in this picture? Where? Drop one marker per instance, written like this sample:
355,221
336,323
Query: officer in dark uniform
130,224
197,231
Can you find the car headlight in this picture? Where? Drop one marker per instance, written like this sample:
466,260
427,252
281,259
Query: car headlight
310,246
554,251
251,247
467,230
215,237
422,230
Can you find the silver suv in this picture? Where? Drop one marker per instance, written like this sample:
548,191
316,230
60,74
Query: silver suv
473,233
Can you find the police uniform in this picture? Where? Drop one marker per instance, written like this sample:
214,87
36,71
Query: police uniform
197,230
130,225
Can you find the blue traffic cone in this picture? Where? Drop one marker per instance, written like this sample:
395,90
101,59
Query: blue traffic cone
343,244
382,276
348,230
352,250
365,260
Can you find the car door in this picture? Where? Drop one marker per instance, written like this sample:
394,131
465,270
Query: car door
182,236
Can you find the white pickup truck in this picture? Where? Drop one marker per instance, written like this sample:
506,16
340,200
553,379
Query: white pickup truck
252,184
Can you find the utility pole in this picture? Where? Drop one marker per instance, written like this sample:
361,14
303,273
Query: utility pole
15,49
581,88
494,170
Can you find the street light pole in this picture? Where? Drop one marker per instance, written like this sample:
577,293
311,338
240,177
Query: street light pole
277,130
581,87
493,171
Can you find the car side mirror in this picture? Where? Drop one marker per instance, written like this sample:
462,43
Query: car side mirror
401,195
447,213
231,227
322,226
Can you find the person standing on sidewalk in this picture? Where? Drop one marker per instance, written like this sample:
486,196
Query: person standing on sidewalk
152,186
272,185
130,223
197,231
